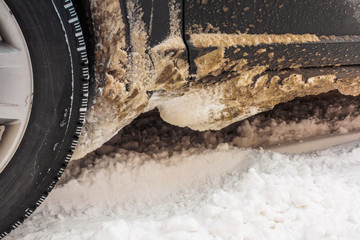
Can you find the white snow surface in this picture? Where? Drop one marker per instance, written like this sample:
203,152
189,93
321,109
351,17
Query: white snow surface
222,193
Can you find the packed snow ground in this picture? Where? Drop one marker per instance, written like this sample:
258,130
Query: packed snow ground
155,181
223,193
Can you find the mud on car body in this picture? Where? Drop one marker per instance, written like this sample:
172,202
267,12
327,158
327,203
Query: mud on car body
203,64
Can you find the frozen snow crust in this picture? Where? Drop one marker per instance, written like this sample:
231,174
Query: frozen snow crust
183,184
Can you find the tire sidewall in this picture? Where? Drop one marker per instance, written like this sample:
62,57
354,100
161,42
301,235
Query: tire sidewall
55,117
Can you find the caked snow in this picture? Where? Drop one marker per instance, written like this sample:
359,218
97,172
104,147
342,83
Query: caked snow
222,193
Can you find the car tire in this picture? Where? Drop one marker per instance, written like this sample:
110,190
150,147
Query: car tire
60,80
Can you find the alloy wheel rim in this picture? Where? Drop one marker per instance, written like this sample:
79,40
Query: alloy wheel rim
16,85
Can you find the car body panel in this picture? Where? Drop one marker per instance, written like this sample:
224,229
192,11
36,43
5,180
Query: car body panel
206,64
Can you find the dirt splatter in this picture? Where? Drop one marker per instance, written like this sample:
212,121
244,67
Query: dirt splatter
134,78
203,40
126,74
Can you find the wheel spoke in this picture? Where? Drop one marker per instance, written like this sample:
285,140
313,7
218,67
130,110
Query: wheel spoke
2,130
10,57
10,113
14,95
